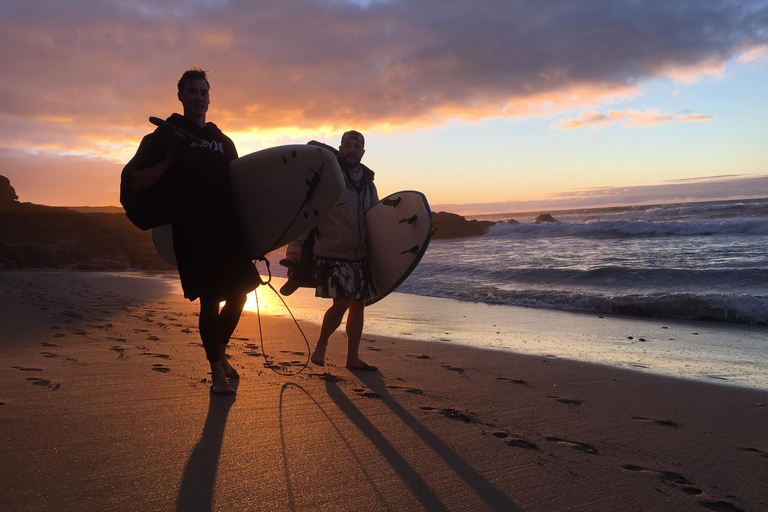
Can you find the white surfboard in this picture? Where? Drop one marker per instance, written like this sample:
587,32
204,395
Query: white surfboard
399,229
280,193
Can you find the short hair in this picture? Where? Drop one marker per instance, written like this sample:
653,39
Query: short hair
353,134
194,73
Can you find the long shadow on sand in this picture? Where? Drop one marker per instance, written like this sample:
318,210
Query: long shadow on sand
289,487
493,496
197,484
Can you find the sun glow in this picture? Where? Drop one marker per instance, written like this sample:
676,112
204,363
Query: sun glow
265,302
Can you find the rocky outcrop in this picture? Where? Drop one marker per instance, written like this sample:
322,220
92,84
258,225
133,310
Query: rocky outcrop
37,236
8,197
545,218
450,225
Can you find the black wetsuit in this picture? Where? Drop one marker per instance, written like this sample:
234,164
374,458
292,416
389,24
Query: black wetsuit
207,236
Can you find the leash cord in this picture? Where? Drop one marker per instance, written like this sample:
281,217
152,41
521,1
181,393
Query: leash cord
272,366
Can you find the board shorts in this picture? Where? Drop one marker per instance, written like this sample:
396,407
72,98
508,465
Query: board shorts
342,279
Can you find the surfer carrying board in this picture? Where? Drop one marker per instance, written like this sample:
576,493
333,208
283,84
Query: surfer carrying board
340,254
188,175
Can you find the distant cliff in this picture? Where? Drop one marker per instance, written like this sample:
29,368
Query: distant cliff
36,236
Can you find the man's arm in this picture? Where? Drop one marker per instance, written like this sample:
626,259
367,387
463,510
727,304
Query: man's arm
142,179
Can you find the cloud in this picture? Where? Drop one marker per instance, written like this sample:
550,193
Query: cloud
629,118
303,63
708,188
41,177
82,76
759,53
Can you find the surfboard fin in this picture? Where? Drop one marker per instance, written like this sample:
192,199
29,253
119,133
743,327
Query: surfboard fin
392,202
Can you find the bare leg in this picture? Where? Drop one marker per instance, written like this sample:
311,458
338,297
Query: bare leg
331,321
215,329
355,321
228,319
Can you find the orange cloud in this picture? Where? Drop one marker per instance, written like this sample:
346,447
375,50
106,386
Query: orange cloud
755,53
84,76
629,118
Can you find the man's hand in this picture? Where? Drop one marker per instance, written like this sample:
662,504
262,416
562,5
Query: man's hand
290,264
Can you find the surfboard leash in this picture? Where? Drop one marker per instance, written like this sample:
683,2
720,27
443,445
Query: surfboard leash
269,364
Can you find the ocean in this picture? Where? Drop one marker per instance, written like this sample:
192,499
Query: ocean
677,290
689,261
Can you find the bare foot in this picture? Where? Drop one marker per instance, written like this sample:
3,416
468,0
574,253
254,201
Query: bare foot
222,388
229,371
318,356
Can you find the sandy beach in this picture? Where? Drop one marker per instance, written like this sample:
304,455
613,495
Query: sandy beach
104,405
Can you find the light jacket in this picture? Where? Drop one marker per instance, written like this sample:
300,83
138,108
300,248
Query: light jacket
343,234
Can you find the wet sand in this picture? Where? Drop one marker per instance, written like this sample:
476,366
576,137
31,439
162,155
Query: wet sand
104,405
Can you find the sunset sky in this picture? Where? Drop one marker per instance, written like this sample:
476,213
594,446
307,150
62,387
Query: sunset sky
483,105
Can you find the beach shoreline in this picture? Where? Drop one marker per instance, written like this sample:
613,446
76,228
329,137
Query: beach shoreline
105,405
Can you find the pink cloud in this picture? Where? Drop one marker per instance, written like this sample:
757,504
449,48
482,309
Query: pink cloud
629,118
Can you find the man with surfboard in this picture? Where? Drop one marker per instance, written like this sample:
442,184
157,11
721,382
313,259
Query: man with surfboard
340,254
183,166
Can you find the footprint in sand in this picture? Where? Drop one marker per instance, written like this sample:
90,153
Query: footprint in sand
374,349
760,453
160,368
521,443
152,354
424,356
328,377
515,442
293,353
665,476
37,381
25,369
566,401
453,414
454,369
366,394
576,445
660,423
680,482
49,355
252,353
514,381
45,344
407,390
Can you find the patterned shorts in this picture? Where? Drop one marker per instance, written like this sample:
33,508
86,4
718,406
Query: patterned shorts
342,278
